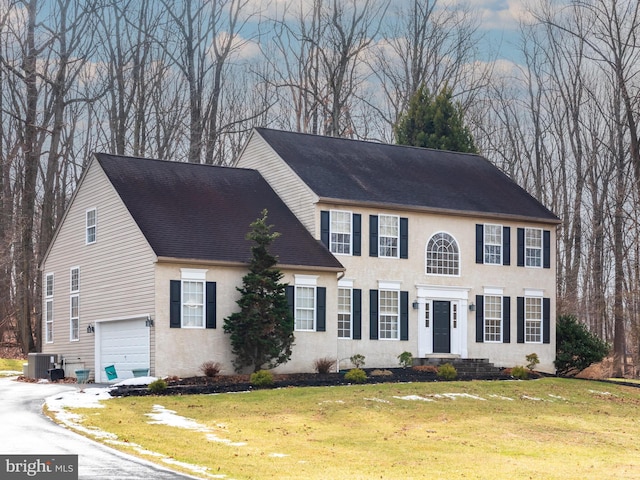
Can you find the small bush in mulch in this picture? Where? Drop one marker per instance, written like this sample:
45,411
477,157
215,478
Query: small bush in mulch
425,368
356,375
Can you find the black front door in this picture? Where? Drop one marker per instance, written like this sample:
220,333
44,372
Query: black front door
441,327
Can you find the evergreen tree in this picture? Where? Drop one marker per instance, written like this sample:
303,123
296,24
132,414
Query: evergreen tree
576,347
262,332
434,123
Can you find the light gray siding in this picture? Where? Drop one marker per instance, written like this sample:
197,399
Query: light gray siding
258,155
116,272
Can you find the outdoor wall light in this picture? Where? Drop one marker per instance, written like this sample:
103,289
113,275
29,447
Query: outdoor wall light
90,328
472,307
148,322
415,304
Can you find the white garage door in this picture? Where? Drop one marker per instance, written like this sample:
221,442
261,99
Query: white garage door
125,345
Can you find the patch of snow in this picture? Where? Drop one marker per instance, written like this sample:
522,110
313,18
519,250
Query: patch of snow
136,381
557,397
527,397
500,397
453,396
379,400
600,393
414,398
331,401
278,455
164,416
214,438
192,467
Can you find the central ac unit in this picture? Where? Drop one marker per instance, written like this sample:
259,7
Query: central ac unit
40,364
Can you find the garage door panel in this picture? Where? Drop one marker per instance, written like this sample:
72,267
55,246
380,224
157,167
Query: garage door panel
125,345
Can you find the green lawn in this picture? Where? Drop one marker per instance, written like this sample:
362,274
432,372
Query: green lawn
543,429
11,365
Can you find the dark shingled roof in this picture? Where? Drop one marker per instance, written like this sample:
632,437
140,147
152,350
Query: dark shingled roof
203,212
358,171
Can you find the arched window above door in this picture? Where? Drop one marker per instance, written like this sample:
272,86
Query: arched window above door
442,255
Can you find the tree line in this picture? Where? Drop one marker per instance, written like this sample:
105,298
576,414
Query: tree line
187,80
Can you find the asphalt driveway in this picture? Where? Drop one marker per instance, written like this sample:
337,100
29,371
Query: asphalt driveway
26,430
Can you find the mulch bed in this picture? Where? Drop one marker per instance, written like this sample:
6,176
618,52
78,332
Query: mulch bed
240,383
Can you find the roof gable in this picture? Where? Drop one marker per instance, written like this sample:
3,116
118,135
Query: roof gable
359,171
203,212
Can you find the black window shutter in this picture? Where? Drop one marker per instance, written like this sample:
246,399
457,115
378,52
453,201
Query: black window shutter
357,314
546,249
506,319
479,243
506,245
321,309
324,227
404,238
521,247
211,305
404,315
290,295
546,320
373,314
357,234
520,319
373,235
479,318
175,303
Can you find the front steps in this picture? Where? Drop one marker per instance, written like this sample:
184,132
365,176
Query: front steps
467,368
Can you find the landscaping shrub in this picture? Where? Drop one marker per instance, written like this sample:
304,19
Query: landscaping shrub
210,369
157,386
356,375
447,372
381,373
520,373
532,361
261,379
576,347
324,365
406,359
357,360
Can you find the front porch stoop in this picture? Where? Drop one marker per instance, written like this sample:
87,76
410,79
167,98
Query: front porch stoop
477,368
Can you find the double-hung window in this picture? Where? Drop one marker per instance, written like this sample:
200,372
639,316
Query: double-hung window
341,232
533,247
344,312
91,225
193,298
74,304
389,314
533,319
493,244
492,318
305,308
49,308
388,235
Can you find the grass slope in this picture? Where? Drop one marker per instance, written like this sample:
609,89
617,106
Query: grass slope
549,428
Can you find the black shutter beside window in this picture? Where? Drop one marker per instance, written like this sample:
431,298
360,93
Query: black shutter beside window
290,295
479,243
521,247
520,308
357,314
404,315
479,319
174,303
321,309
506,319
373,314
373,235
404,238
546,320
546,249
357,234
506,245
324,227
211,305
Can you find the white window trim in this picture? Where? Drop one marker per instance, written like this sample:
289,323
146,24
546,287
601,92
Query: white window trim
501,319
380,246
541,248
195,275
426,257
72,318
541,319
71,280
397,291
314,310
484,242
350,289
46,284
331,212
495,291
305,280
94,226
48,321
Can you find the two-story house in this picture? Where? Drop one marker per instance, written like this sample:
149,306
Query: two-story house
386,249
